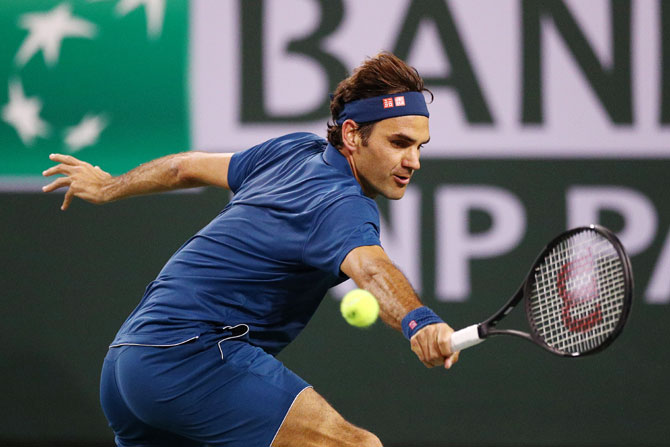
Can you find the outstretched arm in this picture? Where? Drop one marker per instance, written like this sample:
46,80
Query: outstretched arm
185,170
372,270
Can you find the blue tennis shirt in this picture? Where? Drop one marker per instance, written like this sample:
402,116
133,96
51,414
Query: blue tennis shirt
269,257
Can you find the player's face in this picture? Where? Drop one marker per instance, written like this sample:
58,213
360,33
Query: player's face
386,164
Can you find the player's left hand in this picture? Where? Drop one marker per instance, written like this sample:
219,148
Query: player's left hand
432,344
82,180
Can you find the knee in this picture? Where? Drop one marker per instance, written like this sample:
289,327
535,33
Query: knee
368,439
348,435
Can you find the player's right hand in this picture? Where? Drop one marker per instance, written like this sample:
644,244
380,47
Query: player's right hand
432,345
82,179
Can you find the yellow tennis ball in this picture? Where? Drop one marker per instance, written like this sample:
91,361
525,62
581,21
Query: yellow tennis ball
359,308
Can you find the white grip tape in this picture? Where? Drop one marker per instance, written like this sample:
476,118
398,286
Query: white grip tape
464,338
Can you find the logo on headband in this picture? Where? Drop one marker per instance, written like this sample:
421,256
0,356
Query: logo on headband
397,101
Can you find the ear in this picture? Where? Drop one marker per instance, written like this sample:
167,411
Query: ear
351,139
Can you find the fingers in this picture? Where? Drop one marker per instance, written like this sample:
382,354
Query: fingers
432,345
68,166
67,162
58,183
431,350
65,159
58,169
418,350
449,362
68,199
423,348
64,168
444,342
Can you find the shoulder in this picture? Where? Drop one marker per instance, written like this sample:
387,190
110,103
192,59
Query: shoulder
302,136
293,144
277,157
298,139
277,148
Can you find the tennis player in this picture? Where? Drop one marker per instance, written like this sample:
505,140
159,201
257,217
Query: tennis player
194,364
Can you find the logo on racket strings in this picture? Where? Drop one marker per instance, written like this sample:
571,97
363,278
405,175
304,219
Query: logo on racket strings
577,287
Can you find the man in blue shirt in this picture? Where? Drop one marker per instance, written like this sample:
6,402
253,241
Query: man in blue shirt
194,362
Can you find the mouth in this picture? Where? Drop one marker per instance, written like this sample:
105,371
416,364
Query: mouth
401,180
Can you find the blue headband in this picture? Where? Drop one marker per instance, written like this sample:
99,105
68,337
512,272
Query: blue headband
383,107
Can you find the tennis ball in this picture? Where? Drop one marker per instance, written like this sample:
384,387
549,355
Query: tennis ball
359,308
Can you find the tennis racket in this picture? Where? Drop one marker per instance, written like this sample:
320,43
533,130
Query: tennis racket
577,296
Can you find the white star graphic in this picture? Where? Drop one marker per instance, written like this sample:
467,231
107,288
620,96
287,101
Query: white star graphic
155,11
23,114
47,31
86,133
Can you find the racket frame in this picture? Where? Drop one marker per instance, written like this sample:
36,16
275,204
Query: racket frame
488,327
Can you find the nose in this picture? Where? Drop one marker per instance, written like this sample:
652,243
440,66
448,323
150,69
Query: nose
411,159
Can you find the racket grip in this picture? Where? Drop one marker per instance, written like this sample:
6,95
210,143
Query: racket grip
465,338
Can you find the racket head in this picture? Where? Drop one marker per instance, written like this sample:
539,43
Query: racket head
579,292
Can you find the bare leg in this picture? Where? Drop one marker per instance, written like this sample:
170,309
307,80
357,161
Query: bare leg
313,422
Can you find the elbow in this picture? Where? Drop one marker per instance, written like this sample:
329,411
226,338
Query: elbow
365,264
181,171
370,269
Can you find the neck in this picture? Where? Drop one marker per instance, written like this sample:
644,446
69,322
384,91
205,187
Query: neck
361,181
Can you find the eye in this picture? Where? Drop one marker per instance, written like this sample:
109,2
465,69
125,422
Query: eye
400,143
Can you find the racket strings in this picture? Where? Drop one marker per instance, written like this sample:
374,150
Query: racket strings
578,294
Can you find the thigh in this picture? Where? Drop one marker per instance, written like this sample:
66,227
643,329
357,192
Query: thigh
311,421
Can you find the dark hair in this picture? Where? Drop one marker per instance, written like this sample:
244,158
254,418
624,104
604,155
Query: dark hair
383,74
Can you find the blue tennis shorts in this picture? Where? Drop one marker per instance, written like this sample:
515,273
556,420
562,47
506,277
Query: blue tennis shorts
205,392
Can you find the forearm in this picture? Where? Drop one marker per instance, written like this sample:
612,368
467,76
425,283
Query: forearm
393,291
162,174
429,336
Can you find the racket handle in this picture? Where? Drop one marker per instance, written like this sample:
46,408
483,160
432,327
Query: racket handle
465,338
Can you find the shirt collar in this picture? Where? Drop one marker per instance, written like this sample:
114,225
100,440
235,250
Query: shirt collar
334,158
